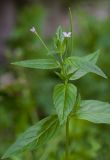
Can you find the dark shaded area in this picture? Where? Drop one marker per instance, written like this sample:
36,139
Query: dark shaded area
8,16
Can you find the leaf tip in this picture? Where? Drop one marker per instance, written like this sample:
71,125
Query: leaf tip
105,77
4,157
14,63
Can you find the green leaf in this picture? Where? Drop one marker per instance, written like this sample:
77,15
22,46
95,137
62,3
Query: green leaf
94,111
59,34
83,65
35,136
64,98
38,63
59,41
93,57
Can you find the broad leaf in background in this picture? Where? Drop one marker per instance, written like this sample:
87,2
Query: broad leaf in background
64,98
35,136
94,111
38,63
84,65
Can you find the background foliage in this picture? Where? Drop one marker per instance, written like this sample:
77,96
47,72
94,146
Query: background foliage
27,95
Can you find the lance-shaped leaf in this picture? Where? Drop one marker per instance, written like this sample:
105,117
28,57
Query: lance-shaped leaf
35,136
93,57
64,98
94,111
84,65
38,63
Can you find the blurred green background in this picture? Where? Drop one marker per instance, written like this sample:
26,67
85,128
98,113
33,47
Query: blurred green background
26,94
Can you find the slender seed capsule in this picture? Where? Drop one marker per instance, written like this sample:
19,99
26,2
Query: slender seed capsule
33,30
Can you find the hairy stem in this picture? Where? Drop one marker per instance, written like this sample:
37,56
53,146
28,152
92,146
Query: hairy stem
43,43
67,140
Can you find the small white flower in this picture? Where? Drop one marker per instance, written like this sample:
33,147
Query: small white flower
67,34
33,29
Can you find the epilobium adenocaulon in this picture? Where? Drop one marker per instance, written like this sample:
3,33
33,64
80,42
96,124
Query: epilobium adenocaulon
66,99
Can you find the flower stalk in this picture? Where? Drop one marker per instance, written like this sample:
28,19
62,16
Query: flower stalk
36,33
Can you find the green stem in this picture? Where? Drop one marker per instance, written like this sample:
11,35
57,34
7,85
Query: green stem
66,48
67,140
42,41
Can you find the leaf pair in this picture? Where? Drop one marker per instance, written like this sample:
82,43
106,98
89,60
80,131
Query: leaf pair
83,65
35,136
92,110
74,66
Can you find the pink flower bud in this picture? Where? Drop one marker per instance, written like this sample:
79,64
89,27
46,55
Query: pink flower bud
67,34
33,30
